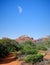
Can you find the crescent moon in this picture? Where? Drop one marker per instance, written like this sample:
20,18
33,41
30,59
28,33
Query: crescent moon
20,9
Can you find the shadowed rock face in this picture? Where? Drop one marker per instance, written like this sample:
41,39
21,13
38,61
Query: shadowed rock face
24,38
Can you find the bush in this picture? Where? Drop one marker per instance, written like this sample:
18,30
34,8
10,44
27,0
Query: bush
28,42
28,47
3,51
42,48
33,58
11,45
29,50
7,46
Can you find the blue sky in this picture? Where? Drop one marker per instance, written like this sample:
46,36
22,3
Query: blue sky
24,17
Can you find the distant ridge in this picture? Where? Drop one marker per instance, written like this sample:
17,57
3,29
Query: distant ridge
26,37
43,39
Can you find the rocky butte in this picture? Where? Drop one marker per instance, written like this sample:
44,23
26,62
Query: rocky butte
24,38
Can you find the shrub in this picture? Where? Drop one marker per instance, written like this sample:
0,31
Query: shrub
3,51
33,58
7,46
11,45
42,48
29,50
28,47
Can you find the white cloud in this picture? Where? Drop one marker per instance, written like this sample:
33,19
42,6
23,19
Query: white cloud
20,9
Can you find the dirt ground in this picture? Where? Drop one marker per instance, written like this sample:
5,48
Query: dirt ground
47,55
10,62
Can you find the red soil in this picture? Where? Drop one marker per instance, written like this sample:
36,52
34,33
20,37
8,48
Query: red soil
10,61
47,55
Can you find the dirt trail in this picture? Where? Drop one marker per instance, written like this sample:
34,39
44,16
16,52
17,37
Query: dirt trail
10,61
17,62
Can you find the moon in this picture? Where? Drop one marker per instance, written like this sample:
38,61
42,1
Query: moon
20,9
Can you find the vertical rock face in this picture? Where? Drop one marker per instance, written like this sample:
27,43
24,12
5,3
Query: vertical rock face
24,38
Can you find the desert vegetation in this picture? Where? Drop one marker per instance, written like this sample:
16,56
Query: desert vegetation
26,51
7,46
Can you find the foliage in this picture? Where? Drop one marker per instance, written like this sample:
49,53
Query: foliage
28,42
7,46
42,48
3,51
33,58
29,51
11,45
28,48
45,45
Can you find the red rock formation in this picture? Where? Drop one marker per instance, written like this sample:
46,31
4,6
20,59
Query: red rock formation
42,39
24,38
